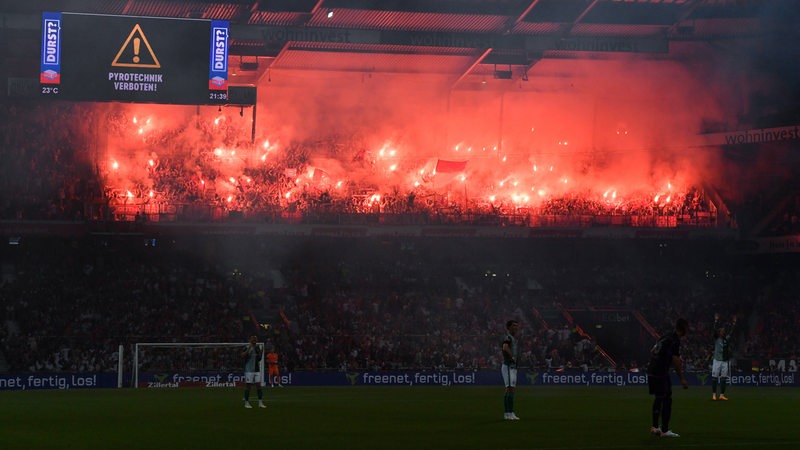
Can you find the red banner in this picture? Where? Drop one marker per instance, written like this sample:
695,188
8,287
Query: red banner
443,166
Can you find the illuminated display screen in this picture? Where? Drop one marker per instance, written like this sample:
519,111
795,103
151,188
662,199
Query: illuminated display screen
87,57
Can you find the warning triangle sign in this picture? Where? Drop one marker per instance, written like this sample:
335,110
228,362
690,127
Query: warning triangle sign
136,52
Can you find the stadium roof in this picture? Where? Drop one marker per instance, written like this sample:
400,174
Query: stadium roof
461,39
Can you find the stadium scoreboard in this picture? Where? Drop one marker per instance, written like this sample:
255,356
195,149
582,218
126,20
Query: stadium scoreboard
93,57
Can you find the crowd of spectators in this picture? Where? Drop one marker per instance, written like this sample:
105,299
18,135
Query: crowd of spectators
59,172
546,291
45,171
67,304
787,220
344,304
67,307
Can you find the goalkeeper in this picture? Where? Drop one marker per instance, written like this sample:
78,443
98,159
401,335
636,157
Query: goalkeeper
272,366
252,375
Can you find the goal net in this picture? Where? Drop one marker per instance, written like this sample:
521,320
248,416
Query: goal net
183,364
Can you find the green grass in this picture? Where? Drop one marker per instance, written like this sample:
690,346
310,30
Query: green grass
392,418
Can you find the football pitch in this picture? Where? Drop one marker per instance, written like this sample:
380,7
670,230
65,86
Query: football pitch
371,417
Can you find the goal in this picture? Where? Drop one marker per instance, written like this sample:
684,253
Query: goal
180,364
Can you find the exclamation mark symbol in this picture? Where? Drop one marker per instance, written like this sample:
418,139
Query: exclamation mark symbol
136,44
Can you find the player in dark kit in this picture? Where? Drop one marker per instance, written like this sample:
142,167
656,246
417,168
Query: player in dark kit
665,353
510,351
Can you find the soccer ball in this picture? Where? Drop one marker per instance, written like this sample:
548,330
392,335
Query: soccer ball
266,326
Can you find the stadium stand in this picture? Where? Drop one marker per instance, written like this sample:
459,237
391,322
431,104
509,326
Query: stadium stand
388,304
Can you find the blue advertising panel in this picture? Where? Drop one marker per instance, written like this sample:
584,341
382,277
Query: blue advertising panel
218,57
61,381
443,378
50,73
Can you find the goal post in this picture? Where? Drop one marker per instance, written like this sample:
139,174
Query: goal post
195,361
